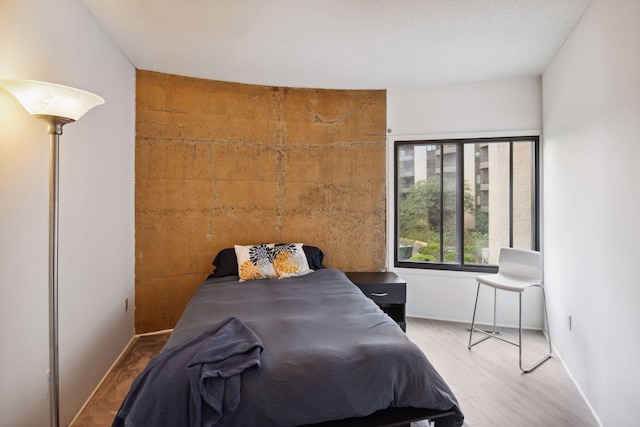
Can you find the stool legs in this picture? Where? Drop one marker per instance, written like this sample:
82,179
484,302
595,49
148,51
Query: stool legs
494,333
546,327
473,320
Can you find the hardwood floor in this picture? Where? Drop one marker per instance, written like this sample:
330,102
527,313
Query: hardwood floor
104,404
486,379
490,387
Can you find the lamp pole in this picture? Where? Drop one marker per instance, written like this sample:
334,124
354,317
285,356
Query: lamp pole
54,128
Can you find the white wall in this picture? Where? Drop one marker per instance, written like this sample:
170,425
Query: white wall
591,110
500,108
59,41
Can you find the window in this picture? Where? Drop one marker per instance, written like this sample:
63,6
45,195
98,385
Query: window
457,202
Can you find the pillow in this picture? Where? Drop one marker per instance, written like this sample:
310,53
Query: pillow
254,262
314,257
290,260
226,263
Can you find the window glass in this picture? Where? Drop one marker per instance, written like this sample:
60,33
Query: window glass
450,202
523,195
458,202
497,192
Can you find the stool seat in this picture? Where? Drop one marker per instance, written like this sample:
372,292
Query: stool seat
507,283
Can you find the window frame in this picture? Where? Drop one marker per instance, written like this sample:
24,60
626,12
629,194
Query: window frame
460,144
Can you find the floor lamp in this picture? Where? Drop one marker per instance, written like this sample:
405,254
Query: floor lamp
57,105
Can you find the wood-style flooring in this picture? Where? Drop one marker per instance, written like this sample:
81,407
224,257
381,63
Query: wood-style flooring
105,402
489,385
486,379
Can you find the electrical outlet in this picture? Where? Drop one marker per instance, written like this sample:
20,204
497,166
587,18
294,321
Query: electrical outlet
569,321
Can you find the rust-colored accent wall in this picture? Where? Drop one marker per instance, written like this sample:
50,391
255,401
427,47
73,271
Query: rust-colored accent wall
219,164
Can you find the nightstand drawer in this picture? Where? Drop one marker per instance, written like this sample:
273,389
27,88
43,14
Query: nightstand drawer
384,293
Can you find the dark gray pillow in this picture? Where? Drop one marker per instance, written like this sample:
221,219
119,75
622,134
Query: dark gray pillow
314,257
226,263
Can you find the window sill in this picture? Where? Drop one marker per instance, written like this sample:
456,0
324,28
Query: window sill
434,272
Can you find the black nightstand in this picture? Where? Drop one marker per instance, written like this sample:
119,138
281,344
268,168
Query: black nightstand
387,290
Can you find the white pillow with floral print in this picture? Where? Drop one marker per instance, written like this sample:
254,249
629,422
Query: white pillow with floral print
290,260
254,262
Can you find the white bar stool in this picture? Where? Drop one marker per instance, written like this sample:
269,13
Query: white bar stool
518,269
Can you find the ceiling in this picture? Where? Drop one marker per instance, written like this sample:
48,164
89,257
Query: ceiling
340,44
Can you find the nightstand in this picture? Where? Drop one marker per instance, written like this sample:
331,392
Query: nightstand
386,289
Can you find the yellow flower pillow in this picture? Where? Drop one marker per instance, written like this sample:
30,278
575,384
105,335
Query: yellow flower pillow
290,260
254,262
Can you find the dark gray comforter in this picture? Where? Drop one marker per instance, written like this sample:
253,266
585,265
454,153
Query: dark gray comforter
329,352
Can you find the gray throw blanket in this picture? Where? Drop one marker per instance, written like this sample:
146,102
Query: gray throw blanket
196,383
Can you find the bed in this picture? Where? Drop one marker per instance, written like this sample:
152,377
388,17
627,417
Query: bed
317,352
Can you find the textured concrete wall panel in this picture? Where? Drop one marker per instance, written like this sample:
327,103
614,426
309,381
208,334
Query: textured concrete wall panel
219,164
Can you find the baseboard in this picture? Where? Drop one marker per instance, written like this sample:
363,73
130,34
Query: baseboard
149,334
556,353
468,322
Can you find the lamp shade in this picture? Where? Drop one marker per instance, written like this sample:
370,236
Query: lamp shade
50,99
